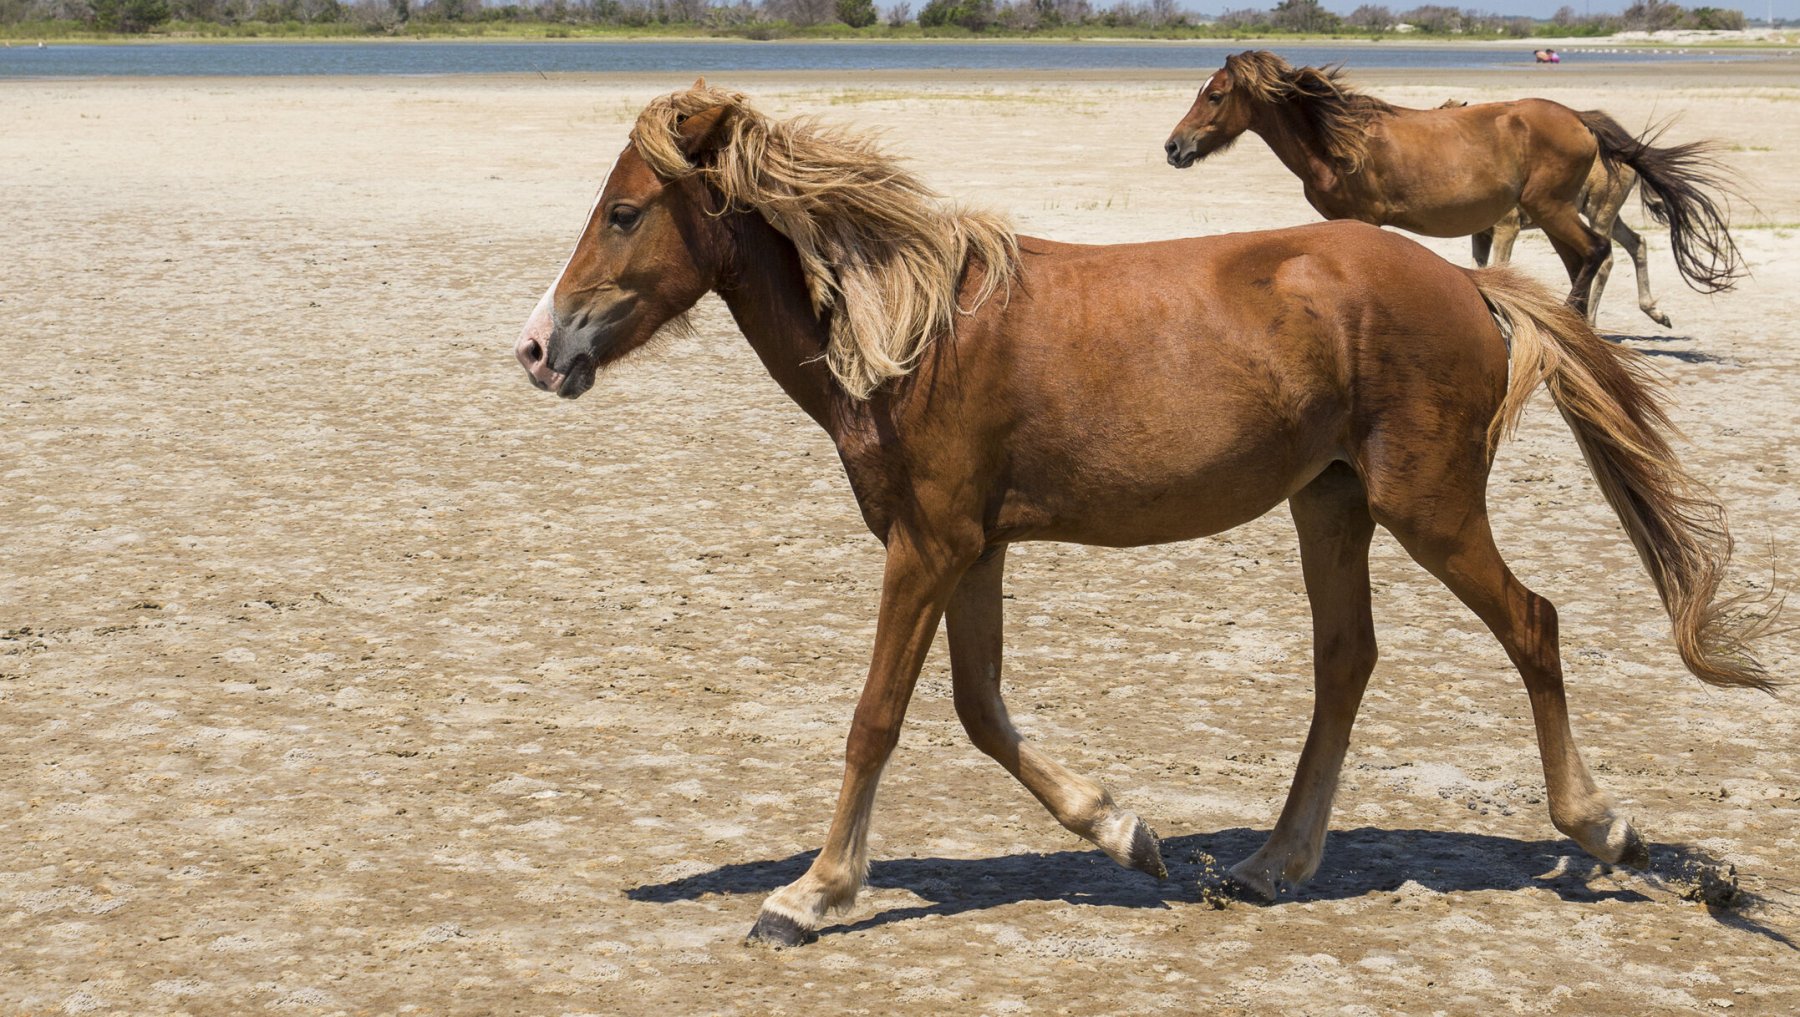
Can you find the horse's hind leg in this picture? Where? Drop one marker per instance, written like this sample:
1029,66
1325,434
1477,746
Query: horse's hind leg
1458,548
1635,247
1582,250
1332,517
1083,806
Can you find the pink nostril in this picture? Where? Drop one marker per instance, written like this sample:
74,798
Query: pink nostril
533,350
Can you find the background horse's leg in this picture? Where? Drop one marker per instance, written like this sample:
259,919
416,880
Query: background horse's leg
1505,234
1640,259
914,590
1458,548
975,621
1603,214
1332,517
1481,245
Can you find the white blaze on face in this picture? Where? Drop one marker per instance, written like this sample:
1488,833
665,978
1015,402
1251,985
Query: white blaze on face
543,316
1209,83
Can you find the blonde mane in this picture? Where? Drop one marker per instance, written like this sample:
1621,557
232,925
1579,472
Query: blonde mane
883,255
1341,115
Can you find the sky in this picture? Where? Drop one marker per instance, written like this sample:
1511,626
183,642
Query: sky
1755,10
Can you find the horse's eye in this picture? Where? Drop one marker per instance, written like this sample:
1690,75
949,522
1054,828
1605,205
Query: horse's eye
1216,98
624,216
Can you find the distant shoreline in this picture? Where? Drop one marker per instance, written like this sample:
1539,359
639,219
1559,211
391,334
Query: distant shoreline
1575,44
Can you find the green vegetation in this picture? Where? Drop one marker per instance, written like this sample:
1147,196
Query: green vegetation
772,19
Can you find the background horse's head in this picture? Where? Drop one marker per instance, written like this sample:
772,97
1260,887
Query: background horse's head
1220,113
648,252
1260,90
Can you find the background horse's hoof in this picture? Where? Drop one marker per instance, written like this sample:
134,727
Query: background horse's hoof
779,931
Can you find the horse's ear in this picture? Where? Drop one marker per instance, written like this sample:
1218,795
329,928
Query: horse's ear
701,131
699,84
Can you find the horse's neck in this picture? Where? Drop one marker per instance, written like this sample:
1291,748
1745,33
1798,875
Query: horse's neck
767,295
1297,144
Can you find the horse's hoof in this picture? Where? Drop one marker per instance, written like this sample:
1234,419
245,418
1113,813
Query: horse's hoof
1146,852
778,931
1247,884
1665,321
1636,854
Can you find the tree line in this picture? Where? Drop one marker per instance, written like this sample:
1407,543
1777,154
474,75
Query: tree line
770,18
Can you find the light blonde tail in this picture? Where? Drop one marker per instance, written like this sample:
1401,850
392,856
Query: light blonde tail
1608,396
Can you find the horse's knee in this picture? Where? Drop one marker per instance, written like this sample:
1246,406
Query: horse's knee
869,745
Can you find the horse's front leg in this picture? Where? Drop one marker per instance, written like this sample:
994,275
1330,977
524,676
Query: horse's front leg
1081,805
914,589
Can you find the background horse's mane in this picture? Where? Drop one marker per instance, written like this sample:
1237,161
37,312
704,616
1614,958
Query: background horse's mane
883,254
1341,115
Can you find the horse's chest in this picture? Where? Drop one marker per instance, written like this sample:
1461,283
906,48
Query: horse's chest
1338,202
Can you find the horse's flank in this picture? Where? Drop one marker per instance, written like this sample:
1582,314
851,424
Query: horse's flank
884,255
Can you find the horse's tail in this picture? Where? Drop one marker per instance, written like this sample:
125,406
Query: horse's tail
1681,177
1607,395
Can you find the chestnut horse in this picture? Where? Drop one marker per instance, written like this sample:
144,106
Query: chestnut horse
1455,172
984,388
1602,200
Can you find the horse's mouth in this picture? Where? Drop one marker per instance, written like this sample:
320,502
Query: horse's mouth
578,379
1182,160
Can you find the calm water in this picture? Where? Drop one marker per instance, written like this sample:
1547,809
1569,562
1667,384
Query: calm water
286,58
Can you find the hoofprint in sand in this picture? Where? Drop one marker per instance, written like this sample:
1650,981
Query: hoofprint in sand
342,672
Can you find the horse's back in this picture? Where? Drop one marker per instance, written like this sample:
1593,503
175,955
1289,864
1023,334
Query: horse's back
1531,126
1258,289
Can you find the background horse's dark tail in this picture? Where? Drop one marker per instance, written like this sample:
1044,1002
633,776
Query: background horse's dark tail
1608,398
1690,186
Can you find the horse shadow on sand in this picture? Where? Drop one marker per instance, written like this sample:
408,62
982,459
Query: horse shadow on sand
1637,342
1358,863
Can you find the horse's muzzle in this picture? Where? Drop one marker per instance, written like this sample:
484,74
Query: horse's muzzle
533,351
1182,154
536,361
533,348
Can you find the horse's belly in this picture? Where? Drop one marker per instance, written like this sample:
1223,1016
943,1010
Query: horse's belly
1150,506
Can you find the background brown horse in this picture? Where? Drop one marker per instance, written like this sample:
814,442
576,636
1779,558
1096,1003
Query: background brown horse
1456,172
1019,393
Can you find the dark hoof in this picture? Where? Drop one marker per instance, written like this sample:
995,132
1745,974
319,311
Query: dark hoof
1636,854
1238,889
1146,852
778,931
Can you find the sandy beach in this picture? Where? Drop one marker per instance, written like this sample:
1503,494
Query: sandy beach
341,672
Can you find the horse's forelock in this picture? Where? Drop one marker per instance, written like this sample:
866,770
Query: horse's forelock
657,133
